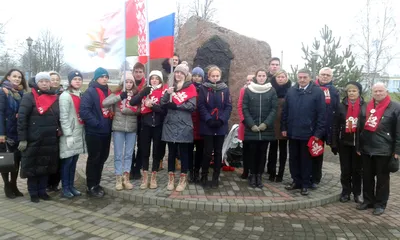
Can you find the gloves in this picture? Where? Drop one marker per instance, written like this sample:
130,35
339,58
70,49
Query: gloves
334,150
255,128
212,123
146,91
123,95
70,141
262,127
172,105
22,145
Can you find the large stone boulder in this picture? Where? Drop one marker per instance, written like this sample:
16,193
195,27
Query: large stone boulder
244,55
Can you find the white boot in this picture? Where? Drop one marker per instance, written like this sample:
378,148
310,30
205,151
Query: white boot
118,184
145,180
171,180
182,183
153,180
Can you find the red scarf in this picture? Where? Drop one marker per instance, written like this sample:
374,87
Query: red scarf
155,96
326,92
352,115
134,109
107,113
142,83
374,114
183,95
43,101
77,102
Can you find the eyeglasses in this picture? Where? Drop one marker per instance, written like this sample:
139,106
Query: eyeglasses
325,75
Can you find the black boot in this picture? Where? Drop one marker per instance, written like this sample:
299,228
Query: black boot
279,178
13,184
259,181
196,176
8,191
203,180
215,180
272,177
252,181
191,176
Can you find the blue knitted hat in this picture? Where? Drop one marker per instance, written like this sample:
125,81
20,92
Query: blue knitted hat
99,73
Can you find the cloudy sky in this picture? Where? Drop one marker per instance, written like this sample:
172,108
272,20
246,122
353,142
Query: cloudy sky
284,24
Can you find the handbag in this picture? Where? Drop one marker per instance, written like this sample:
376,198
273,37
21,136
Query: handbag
59,130
393,165
8,161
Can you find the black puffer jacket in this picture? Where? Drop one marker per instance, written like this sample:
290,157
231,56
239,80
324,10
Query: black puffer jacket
40,131
385,141
339,135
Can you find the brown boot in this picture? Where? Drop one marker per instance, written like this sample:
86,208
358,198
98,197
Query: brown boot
118,184
145,181
126,183
153,180
182,183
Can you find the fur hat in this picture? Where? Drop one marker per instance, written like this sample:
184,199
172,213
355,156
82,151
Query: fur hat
182,68
355,84
198,71
72,74
99,73
128,75
156,73
42,76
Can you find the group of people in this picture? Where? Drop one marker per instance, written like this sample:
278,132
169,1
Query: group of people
185,110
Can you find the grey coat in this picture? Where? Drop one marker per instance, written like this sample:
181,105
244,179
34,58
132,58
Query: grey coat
125,121
70,126
178,124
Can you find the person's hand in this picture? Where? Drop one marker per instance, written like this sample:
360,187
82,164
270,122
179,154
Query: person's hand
2,139
396,156
172,105
262,127
22,145
284,133
170,90
358,153
148,103
70,141
255,128
212,123
123,95
334,150
146,91
315,138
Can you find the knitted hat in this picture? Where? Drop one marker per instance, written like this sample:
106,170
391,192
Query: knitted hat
72,74
356,84
42,76
156,73
128,75
99,73
182,68
198,71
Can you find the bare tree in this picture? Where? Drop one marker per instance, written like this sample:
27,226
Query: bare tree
377,40
181,15
203,9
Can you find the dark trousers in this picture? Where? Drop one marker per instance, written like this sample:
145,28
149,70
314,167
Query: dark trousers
98,150
351,170
68,168
378,194
149,134
173,152
137,159
11,177
256,155
163,146
37,185
300,162
316,173
212,144
245,156
55,178
196,160
273,156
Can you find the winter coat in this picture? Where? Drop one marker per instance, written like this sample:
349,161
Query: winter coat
330,111
281,91
151,119
196,116
178,125
303,114
210,100
70,126
241,116
9,106
123,121
339,135
385,141
41,156
259,106
90,111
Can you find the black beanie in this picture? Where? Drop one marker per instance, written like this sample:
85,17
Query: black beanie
357,84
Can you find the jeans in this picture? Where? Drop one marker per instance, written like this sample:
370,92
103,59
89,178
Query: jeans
124,142
37,185
98,150
68,167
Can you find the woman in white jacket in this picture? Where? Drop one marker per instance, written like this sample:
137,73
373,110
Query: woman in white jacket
72,142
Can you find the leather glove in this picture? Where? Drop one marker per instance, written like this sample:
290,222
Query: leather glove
172,105
334,150
123,95
262,127
22,145
212,123
255,128
70,141
220,123
146,91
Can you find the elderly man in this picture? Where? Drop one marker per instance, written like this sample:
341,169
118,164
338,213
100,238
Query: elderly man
273,67
379,142
332,100
303,117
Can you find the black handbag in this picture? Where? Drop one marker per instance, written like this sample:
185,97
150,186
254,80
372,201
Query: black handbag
8,161
393,165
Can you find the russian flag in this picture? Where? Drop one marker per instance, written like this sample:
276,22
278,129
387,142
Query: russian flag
161,17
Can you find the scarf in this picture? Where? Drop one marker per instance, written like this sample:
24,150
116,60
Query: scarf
141,84
374,114
181,96
43,101
281,90
107,113
13,94
127,105
352,115
325,90
258,88
215,86
154,97
77,102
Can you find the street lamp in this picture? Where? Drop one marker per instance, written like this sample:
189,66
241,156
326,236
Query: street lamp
29,41
314,58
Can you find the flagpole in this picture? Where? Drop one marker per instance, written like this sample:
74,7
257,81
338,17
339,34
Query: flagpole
124,63
147,42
